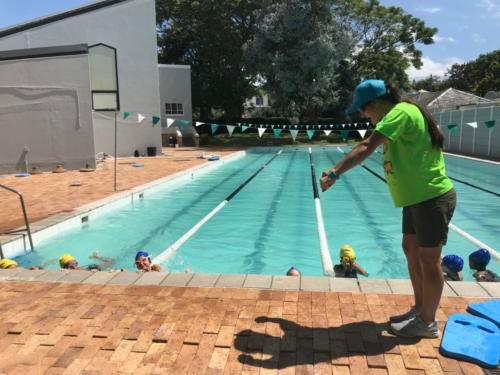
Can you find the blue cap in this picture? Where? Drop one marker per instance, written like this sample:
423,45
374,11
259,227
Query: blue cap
454,263
142,253
480,257
366,92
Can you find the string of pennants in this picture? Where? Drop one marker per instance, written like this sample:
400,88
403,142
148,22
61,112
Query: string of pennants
344,129
452,128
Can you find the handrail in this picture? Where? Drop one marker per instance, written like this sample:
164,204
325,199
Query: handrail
24,213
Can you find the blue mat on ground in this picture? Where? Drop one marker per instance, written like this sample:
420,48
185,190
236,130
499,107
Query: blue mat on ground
488,310
471,338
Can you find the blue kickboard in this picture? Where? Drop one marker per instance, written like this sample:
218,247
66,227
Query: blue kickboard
488,310
473,339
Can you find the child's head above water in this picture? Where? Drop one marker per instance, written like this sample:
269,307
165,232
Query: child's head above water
452,263
479,259
347,255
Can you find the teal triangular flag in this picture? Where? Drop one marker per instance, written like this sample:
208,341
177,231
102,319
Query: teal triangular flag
452,128
344,134
489,124
310,133
214,128
277,133
243,128
155,120
184,123
125,115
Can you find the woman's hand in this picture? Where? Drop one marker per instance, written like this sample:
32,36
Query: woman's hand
325,181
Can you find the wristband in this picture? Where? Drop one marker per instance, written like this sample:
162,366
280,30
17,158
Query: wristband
333,175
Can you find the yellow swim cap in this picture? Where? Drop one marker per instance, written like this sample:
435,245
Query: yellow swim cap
6,263
65,260
346,251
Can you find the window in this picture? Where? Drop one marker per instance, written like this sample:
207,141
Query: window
259,101
174,109
103,77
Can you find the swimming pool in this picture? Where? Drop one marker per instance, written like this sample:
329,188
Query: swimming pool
271,224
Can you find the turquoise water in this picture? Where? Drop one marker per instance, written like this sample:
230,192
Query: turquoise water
271,225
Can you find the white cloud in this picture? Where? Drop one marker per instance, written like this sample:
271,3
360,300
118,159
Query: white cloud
492,7
476,38
439,39
432,67
430,10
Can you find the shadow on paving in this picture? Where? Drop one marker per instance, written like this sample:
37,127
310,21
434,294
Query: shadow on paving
302,345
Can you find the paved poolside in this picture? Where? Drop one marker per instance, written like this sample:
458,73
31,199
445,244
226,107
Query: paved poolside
68,328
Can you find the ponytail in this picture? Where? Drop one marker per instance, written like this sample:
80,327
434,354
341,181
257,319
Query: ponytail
437,138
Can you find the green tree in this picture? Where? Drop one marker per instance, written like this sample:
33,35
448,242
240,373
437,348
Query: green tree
209,35
478,76
385,39
431,83
296,49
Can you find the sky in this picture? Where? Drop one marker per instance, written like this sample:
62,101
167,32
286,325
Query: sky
467,28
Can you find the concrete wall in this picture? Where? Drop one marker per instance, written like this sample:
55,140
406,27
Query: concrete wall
175,87
130,27
481,142
45,105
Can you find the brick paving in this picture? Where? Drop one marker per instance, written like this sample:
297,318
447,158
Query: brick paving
65,328
49,193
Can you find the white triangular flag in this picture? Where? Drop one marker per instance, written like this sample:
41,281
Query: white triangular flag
367,124
362,133
355,124
230,129
327,132
140,117
294,133
170,121
261,131
197,123
473,124
272,126
343,125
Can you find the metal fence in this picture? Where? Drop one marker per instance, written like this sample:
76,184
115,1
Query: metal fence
466,139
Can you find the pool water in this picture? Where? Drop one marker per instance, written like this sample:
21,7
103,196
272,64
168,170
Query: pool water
270,225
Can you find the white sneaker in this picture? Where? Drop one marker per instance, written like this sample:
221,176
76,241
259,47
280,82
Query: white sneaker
407,315
415,327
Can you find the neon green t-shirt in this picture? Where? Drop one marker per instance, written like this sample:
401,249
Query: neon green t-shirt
414,170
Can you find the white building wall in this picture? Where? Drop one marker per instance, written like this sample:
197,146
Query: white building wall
45,105
175,87
130,27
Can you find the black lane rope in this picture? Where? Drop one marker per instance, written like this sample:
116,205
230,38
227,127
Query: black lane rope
474,186
167,253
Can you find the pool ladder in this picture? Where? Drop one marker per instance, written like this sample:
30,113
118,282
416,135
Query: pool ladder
26,222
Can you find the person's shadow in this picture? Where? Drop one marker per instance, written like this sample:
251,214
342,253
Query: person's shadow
300,345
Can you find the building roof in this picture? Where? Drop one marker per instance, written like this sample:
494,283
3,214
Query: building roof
57,17
28,53
447,99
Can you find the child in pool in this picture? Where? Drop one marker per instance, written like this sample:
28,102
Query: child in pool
478,261
348,266
452,266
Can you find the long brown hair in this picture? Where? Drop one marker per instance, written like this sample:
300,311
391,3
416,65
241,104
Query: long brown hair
392,95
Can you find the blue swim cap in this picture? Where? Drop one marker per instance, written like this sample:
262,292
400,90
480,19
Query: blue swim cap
480,257
453,262
141,253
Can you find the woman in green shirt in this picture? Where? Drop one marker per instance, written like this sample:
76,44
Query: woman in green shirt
415,173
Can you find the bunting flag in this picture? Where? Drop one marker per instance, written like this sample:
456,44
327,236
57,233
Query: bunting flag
197,123
310,133
343,126
243,128
214,128
125,115
327,132
170,121
272,126
140,117
452,128
155,120
261,131
184,123
230,129
362,133
277,133
355,124
473,124
294,134
490,124
344,134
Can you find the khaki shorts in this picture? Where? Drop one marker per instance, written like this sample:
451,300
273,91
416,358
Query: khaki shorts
429,219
